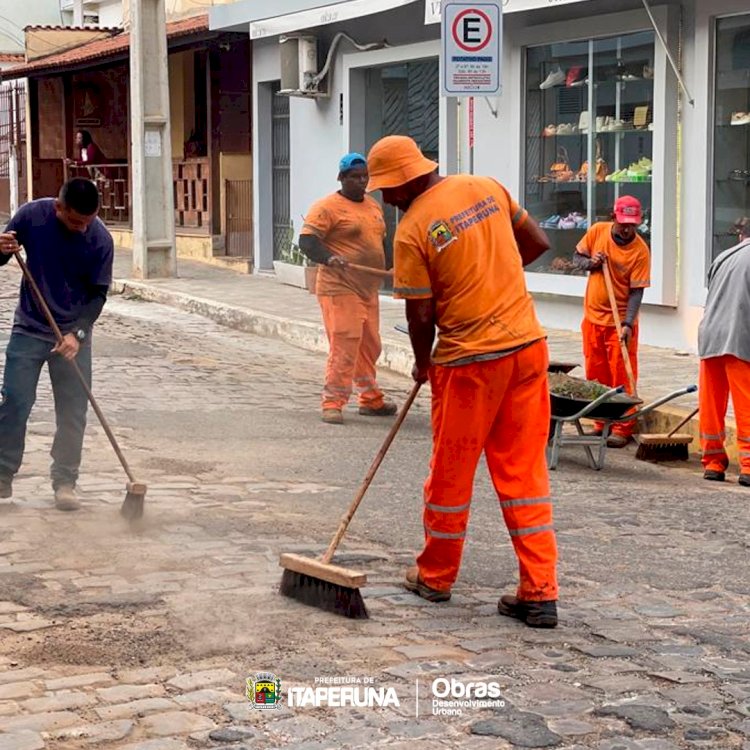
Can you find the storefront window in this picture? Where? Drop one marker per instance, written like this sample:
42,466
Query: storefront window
731,130
589,136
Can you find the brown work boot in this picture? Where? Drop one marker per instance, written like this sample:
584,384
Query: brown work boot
745,480
534,614
417,586
66,497
332,416
388,409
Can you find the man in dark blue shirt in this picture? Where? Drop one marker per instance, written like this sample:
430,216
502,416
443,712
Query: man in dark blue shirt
69,253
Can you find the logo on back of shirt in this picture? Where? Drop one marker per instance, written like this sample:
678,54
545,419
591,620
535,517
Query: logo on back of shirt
440,235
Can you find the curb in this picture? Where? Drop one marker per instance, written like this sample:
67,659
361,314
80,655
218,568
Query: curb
395,357
301,333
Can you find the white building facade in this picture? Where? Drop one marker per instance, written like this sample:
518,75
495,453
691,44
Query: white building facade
585,82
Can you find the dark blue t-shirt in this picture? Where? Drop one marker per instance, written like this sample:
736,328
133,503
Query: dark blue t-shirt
66,266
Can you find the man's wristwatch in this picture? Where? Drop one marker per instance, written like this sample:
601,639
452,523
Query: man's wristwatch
80,334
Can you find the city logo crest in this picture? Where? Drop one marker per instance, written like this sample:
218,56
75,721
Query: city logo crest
263,690
440,235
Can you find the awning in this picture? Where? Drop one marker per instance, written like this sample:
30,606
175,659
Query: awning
432,7
322,16
264,19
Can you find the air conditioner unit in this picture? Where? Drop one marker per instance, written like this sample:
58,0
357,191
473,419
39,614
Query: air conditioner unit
299,67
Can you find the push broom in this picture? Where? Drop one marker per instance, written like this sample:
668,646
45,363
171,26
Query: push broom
669,447
132,506
330,587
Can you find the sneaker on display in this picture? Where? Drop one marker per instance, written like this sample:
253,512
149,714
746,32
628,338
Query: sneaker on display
555,78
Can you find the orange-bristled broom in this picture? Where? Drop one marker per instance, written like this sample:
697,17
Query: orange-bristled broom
332,587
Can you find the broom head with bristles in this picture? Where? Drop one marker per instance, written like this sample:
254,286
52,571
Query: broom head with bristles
656,448
322,585
132,505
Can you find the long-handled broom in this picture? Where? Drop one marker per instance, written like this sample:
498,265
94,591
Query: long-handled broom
132,506
332,587
667,447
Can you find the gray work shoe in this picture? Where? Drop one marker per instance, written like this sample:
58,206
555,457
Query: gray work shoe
66,497
6,487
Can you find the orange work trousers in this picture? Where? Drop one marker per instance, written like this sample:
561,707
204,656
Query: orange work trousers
353,328
604,362
719,377
499,407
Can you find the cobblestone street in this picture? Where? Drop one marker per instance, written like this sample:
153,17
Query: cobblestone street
143,638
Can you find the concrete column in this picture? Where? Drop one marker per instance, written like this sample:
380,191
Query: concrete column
152,195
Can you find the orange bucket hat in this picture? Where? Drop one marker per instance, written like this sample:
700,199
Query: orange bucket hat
395,160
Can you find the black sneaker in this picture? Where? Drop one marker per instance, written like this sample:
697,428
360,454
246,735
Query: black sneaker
6,487
745,480
713,476
534,614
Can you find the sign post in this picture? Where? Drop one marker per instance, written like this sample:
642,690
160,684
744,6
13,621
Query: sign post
471,53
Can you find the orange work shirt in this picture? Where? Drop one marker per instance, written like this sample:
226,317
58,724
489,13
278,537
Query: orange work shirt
353,230
629,266
456,245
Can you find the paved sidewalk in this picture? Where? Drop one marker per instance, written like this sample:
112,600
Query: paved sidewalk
262,305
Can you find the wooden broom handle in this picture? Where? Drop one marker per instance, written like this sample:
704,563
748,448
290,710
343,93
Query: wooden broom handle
59,336
684,421
368,269
347,517
618,327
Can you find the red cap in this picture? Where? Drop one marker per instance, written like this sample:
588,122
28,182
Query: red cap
628,210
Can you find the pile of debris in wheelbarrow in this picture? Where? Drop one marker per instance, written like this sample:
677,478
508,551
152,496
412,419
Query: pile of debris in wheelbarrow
573,399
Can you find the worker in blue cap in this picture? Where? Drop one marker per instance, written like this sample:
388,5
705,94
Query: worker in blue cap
348,227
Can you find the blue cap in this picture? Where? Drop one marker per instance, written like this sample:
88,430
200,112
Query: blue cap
350,161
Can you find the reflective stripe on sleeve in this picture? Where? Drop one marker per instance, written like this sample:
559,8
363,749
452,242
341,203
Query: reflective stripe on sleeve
412,290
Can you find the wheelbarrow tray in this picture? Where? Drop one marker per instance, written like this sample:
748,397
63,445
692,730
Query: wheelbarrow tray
563,367
613,408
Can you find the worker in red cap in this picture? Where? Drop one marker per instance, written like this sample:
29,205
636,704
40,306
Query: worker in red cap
342,228
459,253
627,255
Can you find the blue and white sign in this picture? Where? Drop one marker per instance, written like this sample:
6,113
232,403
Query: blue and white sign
471,50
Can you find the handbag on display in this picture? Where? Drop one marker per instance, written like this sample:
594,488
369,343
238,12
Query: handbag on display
601,170
560,170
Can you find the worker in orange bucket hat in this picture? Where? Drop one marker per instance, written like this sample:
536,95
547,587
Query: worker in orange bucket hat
459,253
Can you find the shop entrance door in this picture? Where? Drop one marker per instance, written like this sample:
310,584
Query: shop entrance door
403,99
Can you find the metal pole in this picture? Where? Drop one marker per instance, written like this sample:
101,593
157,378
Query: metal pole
672,62
471,135
151,163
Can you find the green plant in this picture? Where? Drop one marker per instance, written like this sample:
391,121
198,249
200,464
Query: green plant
290,252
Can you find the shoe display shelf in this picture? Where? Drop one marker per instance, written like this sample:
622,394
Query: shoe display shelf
586,145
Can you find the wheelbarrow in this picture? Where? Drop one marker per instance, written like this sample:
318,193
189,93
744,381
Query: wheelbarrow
608,409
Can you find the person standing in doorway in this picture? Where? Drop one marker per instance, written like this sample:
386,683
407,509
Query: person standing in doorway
618,244
348,227
69,253
724,349
459,253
